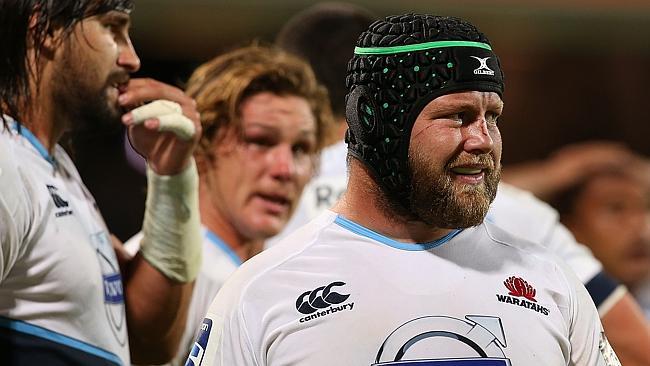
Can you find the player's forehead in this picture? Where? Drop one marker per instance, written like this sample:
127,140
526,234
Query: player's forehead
466,99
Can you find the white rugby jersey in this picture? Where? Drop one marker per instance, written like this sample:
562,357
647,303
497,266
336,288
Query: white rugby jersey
514,210
337,293
61,297
218,263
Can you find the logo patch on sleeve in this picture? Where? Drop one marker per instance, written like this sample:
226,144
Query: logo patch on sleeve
197,353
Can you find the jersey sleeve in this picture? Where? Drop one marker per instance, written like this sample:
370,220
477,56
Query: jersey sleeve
9,238
223,336
14,214
602,288
589,345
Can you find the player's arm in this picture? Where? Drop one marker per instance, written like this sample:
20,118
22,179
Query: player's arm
589,345
628,331
158,280
15,214
625,326
223,337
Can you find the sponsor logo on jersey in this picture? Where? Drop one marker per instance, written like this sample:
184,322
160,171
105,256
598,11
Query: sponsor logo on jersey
477,340
519,288
322,301
483,68
62,206
112,281
195,357
113,292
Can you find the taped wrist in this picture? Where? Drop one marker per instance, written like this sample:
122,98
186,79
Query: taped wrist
172,228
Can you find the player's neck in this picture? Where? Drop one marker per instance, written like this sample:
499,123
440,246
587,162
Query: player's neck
214,221
41,116
362,204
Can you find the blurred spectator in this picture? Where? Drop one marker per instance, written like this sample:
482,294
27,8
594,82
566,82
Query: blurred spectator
609,211
331,29
602,193
565,167
265,119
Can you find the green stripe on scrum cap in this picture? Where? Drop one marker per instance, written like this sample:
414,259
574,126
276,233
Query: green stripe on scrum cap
418,47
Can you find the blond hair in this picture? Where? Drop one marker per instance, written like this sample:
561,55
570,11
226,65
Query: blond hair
221,85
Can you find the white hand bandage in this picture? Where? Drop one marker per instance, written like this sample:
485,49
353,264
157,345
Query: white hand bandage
172,229
169,114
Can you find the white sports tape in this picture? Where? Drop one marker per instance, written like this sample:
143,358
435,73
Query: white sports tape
170,115
171,229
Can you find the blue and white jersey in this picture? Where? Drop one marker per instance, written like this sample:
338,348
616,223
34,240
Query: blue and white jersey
337,293
219,262
61,295
514,210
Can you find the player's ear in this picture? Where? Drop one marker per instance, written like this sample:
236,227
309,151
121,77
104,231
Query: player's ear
51,40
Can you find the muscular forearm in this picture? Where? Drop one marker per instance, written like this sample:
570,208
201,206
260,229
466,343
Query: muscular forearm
156,309
628,332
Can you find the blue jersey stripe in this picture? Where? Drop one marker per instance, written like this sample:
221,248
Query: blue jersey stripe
214,239
27,134
45,334
363,231
600,287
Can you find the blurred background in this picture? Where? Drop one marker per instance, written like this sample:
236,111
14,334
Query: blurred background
575,70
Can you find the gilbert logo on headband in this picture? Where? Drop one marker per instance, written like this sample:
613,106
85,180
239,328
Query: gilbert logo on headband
483,68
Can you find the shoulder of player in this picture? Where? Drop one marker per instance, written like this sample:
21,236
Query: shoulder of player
517,244
533,253
263,269
14,185
521,213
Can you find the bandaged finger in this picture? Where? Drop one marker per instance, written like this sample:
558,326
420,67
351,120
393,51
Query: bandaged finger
178,124
155,109
170,115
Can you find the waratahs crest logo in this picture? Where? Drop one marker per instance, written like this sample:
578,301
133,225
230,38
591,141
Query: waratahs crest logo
521,294
445,341
519,287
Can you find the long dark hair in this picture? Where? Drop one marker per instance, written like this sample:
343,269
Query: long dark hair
26,24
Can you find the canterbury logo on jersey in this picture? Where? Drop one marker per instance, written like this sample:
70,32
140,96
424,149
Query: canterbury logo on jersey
60,203
322,301
518,287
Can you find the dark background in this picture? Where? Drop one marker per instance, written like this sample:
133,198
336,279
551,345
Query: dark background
575,70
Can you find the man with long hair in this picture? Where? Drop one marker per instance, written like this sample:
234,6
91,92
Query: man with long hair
68,294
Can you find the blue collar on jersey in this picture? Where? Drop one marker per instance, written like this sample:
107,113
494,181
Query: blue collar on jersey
27,134
214,239
363,231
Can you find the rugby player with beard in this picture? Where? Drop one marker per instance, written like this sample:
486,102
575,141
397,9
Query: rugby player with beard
404,269
67,295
